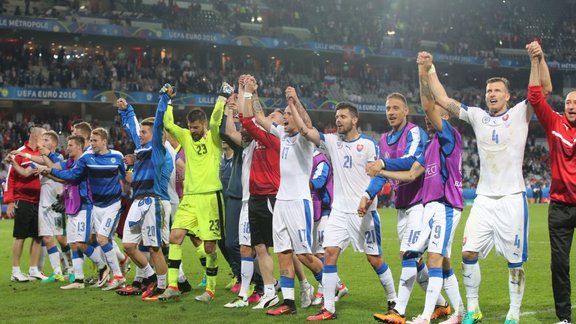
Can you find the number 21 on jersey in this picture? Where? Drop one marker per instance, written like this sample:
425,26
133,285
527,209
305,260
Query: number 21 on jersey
347,162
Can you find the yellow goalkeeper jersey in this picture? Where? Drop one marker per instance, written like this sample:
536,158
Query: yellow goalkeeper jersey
202,173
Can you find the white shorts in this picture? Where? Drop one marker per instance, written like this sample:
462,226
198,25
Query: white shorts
319,228
500,222
438,228
106,219
244,226
363,232
292,226
79,225
50,223
174,207
409,226
146,222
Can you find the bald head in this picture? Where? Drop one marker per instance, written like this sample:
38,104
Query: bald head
570,108
35,139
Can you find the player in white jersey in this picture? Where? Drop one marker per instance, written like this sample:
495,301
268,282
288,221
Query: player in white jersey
349,151
242,138
499,216
292,220
50,222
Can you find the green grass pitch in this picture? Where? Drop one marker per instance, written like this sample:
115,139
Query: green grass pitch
35,302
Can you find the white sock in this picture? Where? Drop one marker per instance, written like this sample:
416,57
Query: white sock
269,290
516,284
148,271
407,279
33,270
139,276
329,282
78,264
94,254
181,275
119,254
304,284
16,270
247,270
385,275
161,281
288,293
54,257
471,280
452,291
42,258
435,282
112,260
422,278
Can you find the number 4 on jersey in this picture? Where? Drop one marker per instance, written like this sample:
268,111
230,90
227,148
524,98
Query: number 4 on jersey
494,137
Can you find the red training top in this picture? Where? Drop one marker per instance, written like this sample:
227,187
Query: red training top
18,187
265,168
562,141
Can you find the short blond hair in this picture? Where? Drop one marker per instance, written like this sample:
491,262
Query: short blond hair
100,132
52,134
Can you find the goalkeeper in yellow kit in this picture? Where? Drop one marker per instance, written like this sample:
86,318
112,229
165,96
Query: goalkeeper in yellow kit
201,210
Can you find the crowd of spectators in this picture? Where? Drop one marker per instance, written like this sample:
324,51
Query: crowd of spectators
43,65
455,27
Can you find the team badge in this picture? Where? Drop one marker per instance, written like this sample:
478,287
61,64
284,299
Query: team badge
505,117
485,120
113,160
359,147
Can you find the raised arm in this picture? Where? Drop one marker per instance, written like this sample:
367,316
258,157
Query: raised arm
544,79
216,117
438,92
129,121
228,131
301,117
426,96
253,103
536,92
177,132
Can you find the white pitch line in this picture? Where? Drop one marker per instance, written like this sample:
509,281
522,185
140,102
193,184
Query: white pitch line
528,313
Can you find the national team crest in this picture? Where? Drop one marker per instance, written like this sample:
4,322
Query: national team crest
113,160
359,147
505,117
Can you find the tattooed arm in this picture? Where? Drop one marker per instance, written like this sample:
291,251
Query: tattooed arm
437,90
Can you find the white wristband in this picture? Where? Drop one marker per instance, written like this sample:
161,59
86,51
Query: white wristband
28,155
247,95
432,69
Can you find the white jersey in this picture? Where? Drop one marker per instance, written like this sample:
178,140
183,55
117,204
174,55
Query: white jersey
172,185
501,140
247,154
49,188
349,161
296,153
